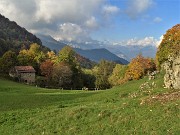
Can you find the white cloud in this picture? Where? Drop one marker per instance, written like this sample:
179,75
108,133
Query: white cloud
74,11
157,20
71,32
137,7
147,41
91,23
69,19
20,11
109,9
142,42
47,15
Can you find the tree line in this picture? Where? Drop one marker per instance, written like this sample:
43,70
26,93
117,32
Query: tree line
63,70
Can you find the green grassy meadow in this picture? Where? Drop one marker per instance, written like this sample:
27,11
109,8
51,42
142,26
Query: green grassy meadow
122,110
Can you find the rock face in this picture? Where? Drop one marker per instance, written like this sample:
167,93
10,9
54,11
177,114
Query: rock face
172,76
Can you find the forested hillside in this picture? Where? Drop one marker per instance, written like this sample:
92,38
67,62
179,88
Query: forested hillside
13,37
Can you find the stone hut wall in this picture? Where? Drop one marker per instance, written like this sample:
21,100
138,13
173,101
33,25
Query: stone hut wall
28,77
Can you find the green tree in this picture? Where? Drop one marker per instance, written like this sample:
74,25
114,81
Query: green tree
67,55
77,77
8,60
3,46
35,52
24,58
118,74
104,70
88,78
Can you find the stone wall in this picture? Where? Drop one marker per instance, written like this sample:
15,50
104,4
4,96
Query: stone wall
172,75
28,77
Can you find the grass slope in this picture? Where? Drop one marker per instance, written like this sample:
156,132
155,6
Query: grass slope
122,110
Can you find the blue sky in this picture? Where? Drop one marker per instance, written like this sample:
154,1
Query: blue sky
153,21
128,22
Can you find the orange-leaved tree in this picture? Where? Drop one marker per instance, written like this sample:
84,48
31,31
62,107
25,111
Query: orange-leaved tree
139,67
47,68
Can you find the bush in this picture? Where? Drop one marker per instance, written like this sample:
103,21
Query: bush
41,81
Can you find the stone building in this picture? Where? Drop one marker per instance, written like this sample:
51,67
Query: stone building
23,74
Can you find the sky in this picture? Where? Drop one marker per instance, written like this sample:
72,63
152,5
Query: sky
121,22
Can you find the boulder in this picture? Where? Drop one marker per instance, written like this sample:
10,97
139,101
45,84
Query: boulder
172,75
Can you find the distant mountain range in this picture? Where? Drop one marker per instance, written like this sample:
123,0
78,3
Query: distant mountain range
93,54
133,50
94,44
126,52
50,42
123,51
99,54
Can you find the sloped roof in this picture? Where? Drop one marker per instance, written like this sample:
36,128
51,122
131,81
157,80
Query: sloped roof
25,69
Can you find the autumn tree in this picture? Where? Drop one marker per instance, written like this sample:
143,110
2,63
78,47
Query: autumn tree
139,67
36,53
33,57
170,45
62,75
46,68
52,56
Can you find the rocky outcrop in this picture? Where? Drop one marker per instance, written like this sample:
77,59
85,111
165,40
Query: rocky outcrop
172,75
